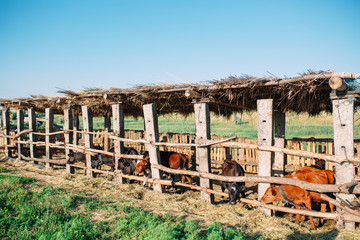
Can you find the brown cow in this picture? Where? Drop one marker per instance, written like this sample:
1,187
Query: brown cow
232,168
168,159
298,195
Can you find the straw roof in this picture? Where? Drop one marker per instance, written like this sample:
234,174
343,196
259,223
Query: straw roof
306,93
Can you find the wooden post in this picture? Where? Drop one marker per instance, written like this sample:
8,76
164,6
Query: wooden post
49,125
279,141
68,125
107,127
32,137
76,127
20,127
343,114
202,126
6,125
152,135
118,126
265,137
88,138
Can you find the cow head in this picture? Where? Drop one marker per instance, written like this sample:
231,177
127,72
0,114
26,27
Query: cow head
233,193
142,165
71,158
271,194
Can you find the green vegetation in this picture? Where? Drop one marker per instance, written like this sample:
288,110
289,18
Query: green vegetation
30,212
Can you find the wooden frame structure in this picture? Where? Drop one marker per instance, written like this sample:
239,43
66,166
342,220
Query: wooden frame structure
271,131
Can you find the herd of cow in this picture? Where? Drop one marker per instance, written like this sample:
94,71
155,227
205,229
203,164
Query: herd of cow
292,195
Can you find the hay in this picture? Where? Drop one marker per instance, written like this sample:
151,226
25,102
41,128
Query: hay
187,205
307,93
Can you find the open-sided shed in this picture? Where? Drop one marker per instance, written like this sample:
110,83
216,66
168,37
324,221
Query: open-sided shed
272,97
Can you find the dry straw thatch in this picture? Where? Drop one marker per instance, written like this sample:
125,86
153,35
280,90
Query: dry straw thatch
307,93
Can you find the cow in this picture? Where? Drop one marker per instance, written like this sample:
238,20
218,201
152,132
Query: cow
232,168
81,157
296,195
172,160
126,165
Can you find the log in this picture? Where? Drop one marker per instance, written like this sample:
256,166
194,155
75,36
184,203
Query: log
339,205
337,83
93,151
45,160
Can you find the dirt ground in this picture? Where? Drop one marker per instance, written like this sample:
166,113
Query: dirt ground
187,205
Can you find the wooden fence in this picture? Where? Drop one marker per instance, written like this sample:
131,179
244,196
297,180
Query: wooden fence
248,158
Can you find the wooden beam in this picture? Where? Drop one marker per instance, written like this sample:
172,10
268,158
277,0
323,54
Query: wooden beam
152,135
20,127
279,141
343,114
32,137
49,126
202,123
76,128
265,137
119,131
107,128
68,125
88,138
6,125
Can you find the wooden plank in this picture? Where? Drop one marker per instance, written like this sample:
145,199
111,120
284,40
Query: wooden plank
343,114
68,125
32,137
49,126
202,125
6,125
265,137
88,138
152,135
279,141
119,130
20,127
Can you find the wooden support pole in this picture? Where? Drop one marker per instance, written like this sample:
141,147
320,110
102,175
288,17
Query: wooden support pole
20,127
76,127
265,137
119,131
152,135
88,138
202,125
6,125
279,141
32,137
107,127
68,125
343,114
49,126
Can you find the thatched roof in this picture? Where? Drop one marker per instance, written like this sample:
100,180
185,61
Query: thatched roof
306,93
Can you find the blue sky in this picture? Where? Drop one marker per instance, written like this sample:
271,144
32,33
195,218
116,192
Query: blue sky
73,45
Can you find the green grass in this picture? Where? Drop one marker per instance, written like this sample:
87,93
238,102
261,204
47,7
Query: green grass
51,213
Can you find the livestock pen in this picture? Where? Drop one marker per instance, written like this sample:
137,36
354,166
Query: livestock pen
271,97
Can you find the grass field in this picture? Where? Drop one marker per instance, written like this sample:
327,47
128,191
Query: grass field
30,211
241,125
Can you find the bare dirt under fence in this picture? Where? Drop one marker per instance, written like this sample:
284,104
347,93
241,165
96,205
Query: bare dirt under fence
188,205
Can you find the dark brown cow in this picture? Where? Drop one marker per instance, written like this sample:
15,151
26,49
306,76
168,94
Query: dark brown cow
168,159
232,168
298,195
75,157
